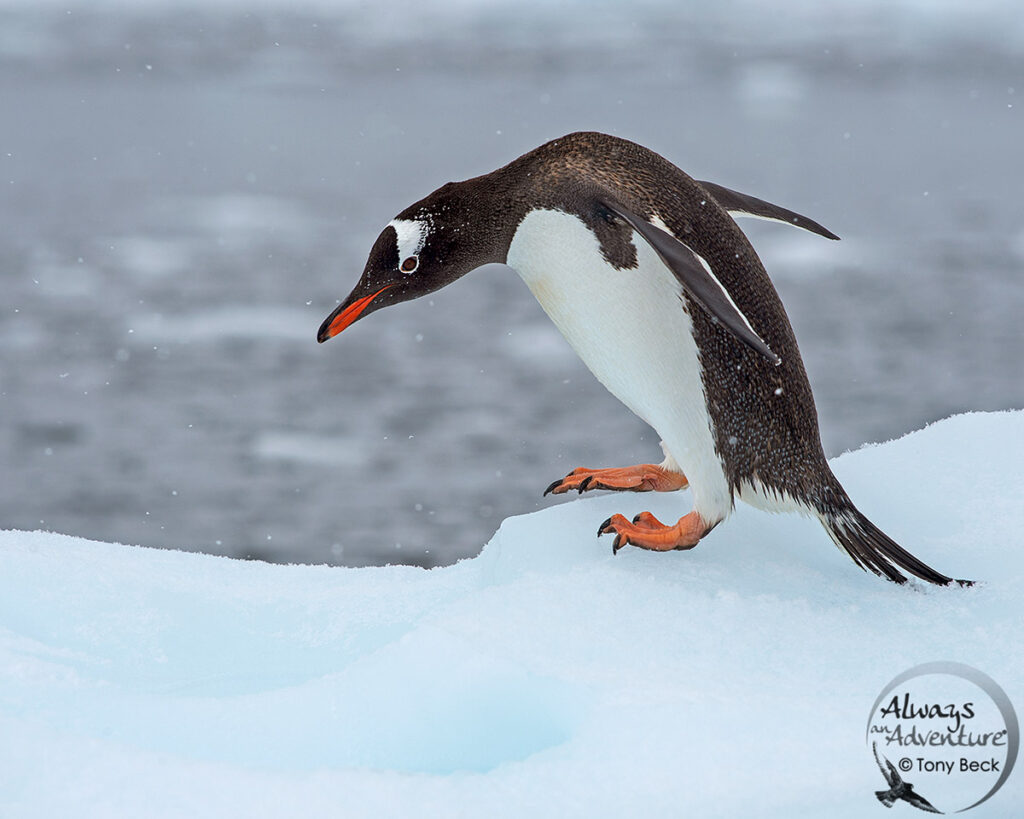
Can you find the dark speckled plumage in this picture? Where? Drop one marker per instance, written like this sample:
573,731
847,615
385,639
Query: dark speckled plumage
765,425
766,412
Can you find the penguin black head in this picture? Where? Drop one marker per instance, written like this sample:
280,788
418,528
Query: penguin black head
428,245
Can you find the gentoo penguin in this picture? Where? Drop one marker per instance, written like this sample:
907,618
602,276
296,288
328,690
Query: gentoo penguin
650,280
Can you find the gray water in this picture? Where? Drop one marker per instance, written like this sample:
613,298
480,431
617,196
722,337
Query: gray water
185,196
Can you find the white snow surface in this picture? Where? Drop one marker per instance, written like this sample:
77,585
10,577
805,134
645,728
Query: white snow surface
545,677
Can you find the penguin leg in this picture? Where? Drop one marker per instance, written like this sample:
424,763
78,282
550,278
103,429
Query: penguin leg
647,532
639,478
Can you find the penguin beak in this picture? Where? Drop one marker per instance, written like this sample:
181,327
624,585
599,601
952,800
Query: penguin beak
345,314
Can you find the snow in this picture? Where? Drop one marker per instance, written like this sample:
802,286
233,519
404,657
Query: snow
544,677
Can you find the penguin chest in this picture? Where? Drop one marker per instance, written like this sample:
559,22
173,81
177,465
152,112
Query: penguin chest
632,330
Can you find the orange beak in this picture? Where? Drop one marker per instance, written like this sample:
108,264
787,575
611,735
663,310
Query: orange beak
345,315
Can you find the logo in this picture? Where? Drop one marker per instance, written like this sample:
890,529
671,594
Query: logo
945,737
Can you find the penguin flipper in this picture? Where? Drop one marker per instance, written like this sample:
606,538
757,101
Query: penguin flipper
696,277
741,204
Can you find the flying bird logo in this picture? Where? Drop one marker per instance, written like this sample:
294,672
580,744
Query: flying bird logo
898,789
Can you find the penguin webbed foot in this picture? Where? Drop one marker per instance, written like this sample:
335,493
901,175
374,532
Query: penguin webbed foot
639,478
647,532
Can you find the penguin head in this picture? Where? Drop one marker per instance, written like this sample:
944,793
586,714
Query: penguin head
430,244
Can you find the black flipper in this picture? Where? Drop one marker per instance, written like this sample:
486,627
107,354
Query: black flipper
740,204
697,279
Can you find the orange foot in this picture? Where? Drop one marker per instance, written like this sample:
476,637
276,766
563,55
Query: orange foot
647,532
639,478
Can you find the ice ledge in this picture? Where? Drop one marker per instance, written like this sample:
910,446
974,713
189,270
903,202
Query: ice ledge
544,675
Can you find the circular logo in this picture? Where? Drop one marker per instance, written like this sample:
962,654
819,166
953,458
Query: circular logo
944,736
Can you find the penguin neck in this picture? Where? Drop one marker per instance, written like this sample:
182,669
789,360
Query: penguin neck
484,212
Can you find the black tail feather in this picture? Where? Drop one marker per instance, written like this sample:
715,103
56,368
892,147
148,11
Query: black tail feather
875,551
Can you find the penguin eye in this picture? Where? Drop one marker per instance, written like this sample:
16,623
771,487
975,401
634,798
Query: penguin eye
410,264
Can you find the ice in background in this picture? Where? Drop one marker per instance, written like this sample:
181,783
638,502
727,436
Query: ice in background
187,190
543,678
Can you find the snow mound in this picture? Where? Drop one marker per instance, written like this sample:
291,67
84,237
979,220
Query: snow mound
544,677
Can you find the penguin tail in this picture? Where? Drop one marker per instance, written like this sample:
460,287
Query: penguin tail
874,551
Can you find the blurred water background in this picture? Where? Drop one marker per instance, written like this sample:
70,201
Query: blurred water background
187,190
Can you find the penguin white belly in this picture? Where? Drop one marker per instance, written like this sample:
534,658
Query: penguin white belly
633,332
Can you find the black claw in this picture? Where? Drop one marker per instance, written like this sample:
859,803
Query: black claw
603,526
618,543
636,517
584,484
553,487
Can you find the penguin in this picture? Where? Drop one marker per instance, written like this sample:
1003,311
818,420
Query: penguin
646,274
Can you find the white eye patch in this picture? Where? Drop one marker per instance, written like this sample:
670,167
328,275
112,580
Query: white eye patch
412,234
